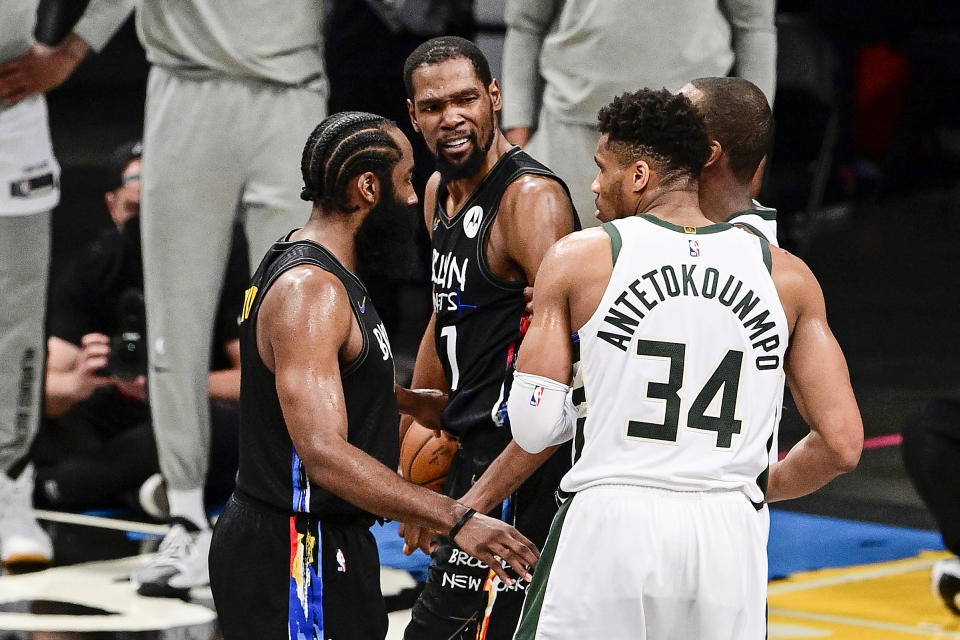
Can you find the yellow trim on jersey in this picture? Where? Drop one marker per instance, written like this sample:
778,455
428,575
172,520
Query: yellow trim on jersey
248,296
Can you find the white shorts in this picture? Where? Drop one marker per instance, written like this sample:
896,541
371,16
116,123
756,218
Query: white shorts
634,562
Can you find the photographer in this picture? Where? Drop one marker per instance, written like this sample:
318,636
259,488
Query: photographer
96,448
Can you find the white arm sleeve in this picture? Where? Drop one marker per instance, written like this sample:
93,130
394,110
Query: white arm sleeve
102,19
539,416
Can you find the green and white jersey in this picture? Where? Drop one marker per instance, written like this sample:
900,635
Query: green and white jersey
761,220
681,365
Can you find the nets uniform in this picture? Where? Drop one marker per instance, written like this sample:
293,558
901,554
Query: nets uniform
480,322
287,555
681,382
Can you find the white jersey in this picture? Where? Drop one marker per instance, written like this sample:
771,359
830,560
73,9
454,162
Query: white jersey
761,220
680,380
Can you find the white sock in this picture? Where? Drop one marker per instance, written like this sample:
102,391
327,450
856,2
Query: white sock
188,504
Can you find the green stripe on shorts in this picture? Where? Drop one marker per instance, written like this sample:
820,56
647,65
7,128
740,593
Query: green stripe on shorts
533,603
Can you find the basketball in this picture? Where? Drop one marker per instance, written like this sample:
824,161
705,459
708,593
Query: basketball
425,458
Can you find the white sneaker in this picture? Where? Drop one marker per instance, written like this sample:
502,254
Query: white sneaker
946,583
22,541
153,497
180,563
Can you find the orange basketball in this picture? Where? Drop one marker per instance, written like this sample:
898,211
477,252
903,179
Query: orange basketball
425,458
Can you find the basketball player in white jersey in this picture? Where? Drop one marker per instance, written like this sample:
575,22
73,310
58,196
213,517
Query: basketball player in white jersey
739,122
684,327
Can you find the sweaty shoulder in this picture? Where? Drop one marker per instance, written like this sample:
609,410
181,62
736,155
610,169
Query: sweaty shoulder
306,305
578,267
591,243
534,190
797,286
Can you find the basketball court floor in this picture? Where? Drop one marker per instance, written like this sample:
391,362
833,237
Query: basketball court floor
851,562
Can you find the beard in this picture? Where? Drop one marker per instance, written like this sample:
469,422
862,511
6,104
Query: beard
384,241
469,167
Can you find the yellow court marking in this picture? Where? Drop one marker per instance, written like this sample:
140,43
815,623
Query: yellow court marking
884,601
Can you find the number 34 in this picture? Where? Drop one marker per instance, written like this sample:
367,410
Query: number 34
726,375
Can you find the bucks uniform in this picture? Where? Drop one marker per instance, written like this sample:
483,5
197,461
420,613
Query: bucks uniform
480,321
288,556
682,382
761,221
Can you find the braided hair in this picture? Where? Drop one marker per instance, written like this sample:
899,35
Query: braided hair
344,145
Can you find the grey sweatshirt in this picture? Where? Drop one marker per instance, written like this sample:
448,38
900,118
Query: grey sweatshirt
279,41
582,53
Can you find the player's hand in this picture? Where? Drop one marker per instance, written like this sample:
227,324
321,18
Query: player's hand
492,541
93,356
528,296
417,537
40,69
425,405
519,136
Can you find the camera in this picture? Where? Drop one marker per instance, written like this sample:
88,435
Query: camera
128,344
128,355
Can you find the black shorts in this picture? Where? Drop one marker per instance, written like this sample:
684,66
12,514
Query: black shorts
269,582
459,601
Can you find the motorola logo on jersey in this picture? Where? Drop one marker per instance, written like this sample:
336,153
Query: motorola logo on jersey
471,221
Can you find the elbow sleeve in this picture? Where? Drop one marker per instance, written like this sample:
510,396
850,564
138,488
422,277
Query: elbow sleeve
539,412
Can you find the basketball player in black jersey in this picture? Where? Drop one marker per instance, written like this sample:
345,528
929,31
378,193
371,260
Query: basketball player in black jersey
292,555
492,212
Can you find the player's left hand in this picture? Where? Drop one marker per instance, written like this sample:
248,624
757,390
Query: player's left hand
425,405
417,537
40,69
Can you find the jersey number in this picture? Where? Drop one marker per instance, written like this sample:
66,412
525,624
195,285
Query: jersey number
450,335
726,375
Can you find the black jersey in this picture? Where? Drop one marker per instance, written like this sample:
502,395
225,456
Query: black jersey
480,317
270,469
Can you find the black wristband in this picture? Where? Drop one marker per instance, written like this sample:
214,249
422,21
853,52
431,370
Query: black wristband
462,521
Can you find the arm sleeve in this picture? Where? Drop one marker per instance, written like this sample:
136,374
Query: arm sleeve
754,42
527,24
101,20
541,412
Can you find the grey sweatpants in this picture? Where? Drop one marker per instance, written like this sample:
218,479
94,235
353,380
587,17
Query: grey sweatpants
24,270
568,148
215,150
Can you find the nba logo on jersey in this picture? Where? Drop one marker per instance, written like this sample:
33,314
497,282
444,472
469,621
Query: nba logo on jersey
694,248
341,561
537,395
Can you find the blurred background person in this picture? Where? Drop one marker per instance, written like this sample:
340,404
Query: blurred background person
931,455
563,60
233,90
97,447
30,179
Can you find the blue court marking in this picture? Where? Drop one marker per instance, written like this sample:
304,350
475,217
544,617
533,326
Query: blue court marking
805,542
390,546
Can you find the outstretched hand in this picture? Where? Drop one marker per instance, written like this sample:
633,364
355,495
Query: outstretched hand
424,405
495,542
41,69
